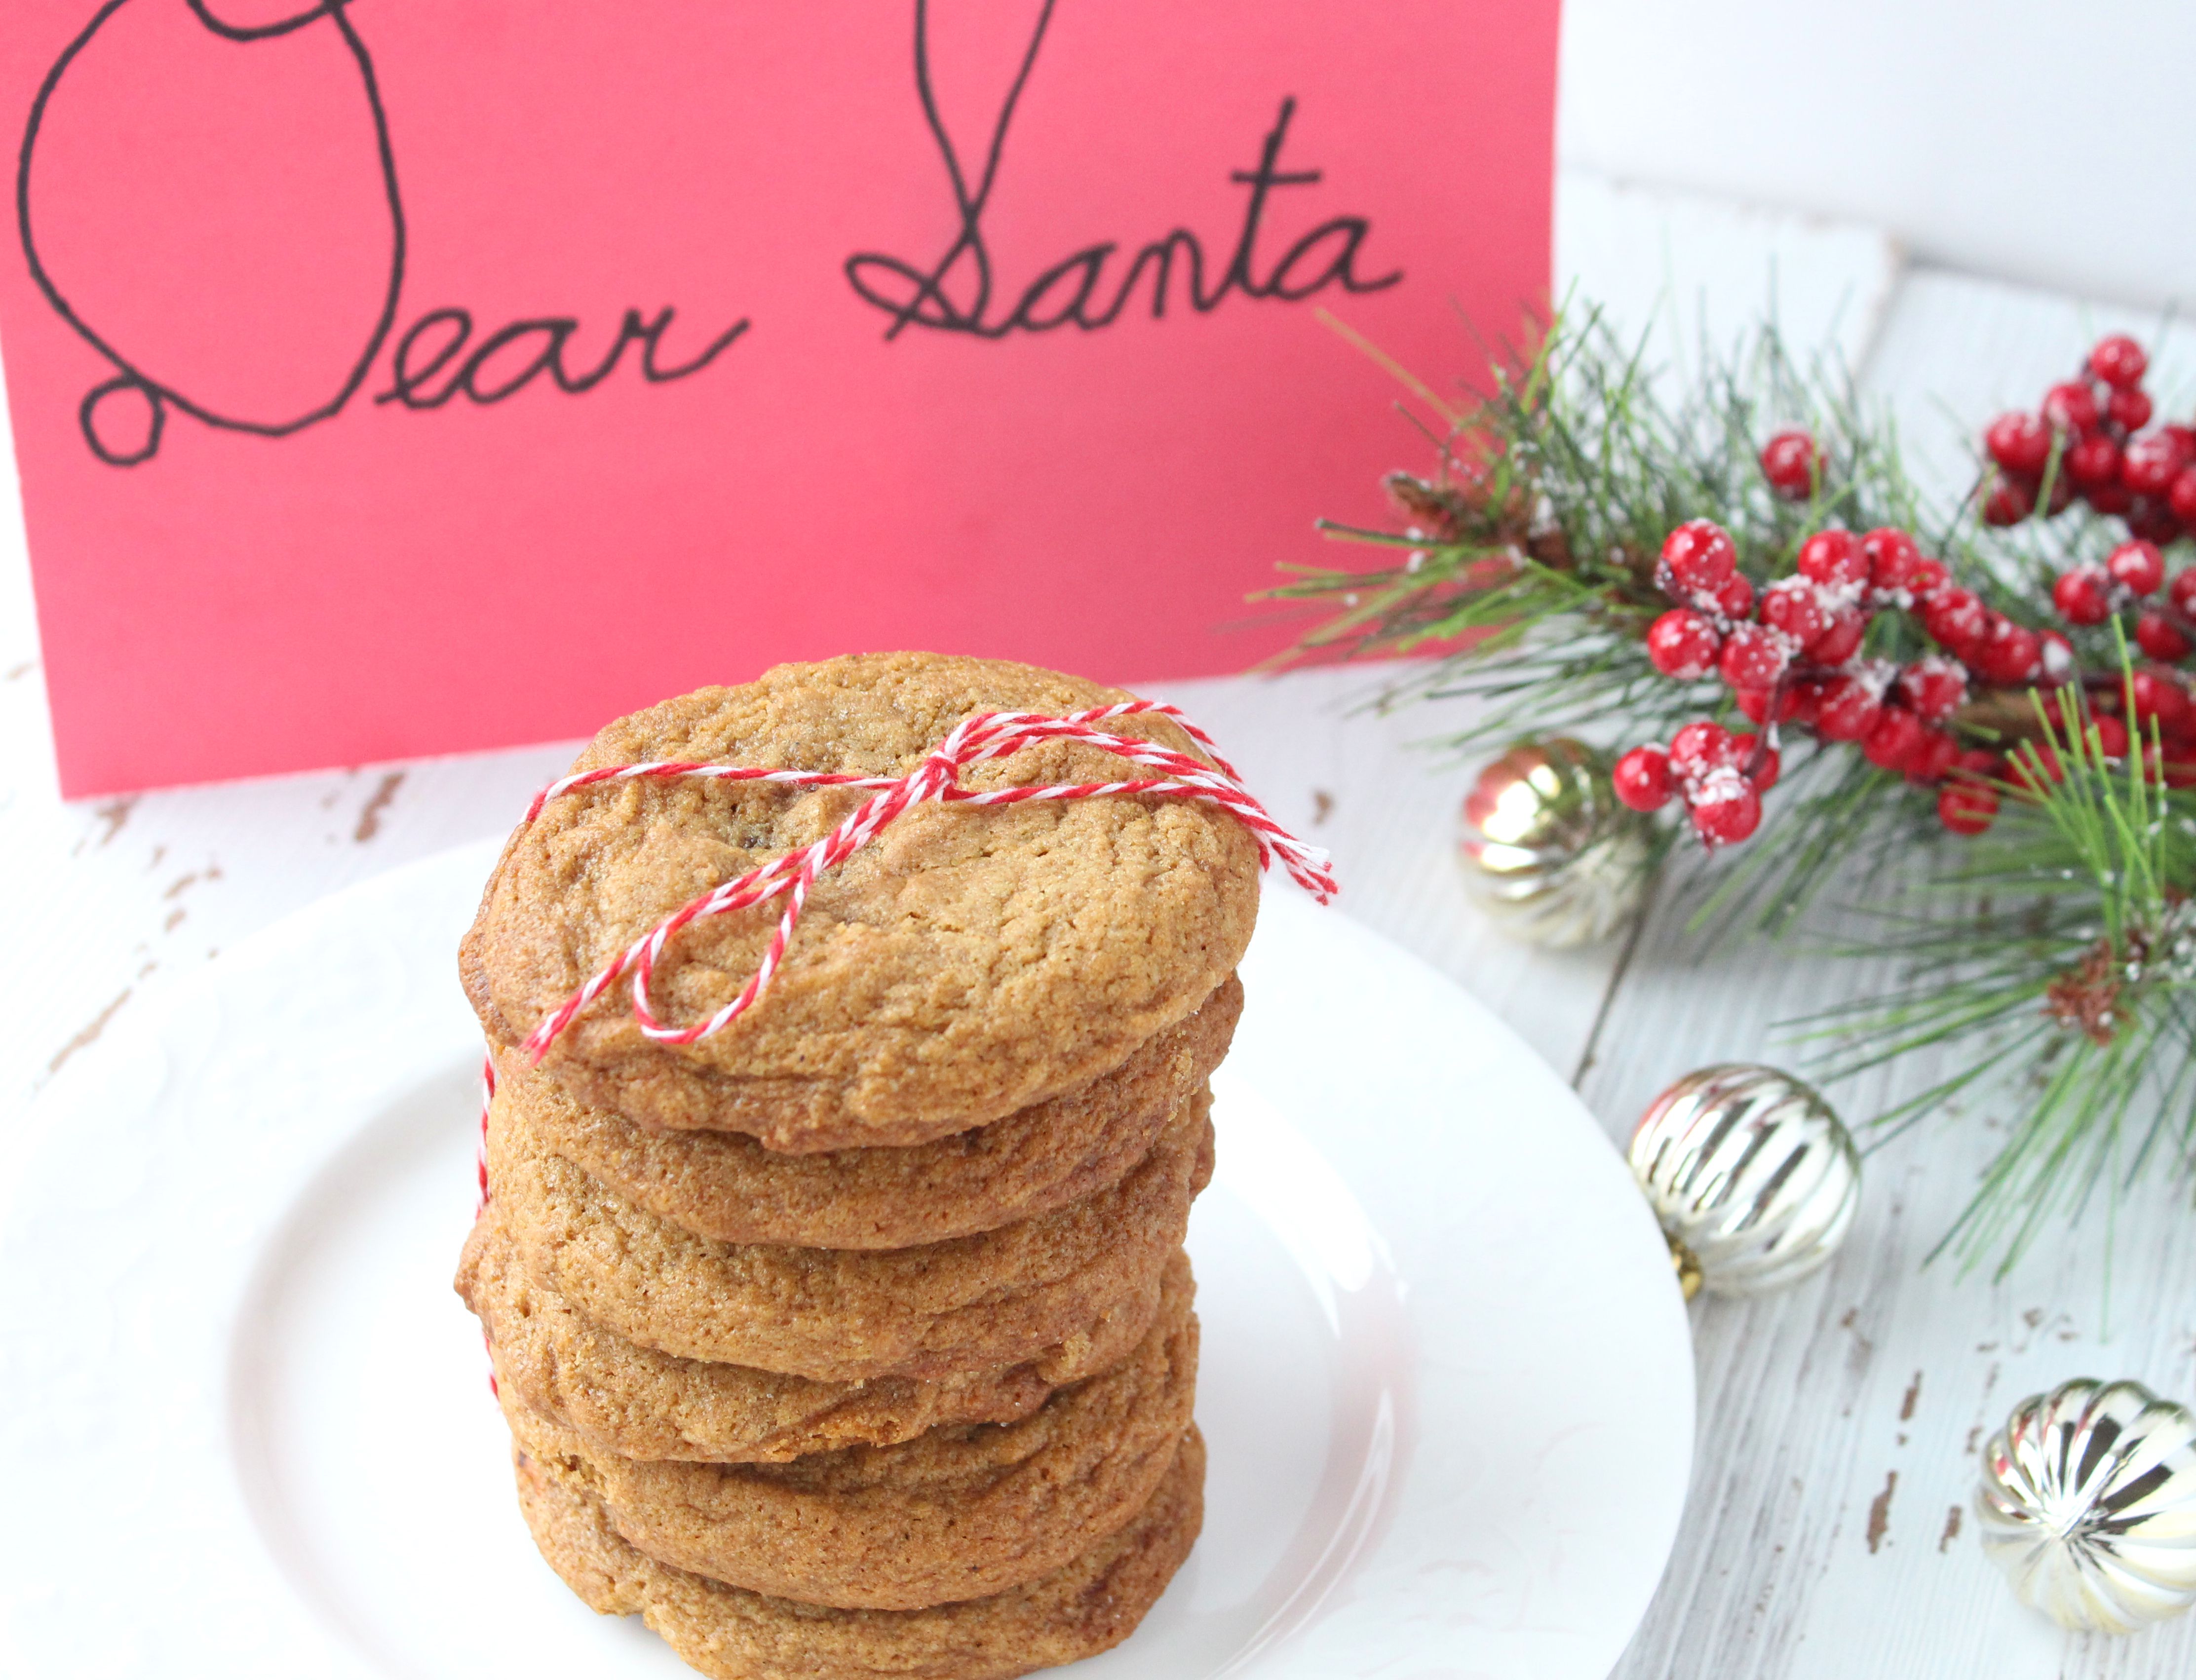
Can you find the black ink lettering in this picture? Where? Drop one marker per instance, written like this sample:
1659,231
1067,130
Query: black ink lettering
161,397
1064,293
434,361
408,379
1353,229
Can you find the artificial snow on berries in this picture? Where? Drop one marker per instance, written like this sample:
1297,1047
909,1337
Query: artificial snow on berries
1956,618
1682,644
1836,558
1697,556
1850,705
1934,686
1642,778
1842,640
2138,565
1754,656
1794,606
2083,596
1727,810
1791,462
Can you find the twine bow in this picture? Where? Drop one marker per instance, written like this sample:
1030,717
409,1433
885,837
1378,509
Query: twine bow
937,779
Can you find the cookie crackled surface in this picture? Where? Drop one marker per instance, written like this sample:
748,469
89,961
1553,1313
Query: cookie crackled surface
970,962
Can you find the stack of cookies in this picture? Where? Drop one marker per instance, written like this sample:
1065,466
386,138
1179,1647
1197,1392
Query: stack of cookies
856,1338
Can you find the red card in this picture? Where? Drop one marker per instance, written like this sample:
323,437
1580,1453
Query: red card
395,379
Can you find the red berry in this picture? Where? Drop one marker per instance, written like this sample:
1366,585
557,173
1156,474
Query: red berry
2114,498
1842,640
2083,596
1727,816
1754,656
2184,435
2152,520
1642,778
1790,462
2092,461
2008,654
1835,558
2181,591
1891,553
2155,635
1955,618
1754,702
1976,762
1849,708
1933,757
2119,360
1924,578
1734,597
1682,644
2129,409
2071,407
2175,770
2154,695
1806,701
1699,748
2009,501
2109,735
2150,463
1760,764
2019,442
1793,606
1934,687
1966,809
1892,742
1698,555
2180,495
2137,564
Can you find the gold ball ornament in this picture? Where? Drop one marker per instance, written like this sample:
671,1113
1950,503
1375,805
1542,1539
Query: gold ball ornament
2088,1503
1752,1176
1549,851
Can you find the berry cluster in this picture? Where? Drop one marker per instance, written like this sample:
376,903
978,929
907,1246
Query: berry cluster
2095,422
1792,653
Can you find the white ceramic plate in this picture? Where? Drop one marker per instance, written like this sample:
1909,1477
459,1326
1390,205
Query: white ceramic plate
244,1428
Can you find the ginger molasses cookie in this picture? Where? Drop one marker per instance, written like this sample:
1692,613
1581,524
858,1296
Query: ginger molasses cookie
974,960
965,1512
837,1315
1087,1606
621,1398
726,1186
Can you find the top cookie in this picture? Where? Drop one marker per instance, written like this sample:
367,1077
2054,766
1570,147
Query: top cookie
968,962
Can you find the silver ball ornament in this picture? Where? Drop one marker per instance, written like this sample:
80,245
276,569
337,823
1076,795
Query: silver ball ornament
2088,1503
1549,849
1755,1179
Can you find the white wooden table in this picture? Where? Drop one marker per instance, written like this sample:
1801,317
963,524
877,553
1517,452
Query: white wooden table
1839,1423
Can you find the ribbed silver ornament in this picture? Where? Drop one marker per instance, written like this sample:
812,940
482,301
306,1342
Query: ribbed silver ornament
1549,851
1753,1177
2088,1503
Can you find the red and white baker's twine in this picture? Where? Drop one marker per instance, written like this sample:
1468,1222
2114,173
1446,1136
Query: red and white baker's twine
937,779
988,734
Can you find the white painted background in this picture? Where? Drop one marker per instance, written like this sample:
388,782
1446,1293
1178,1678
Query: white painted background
2033,140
